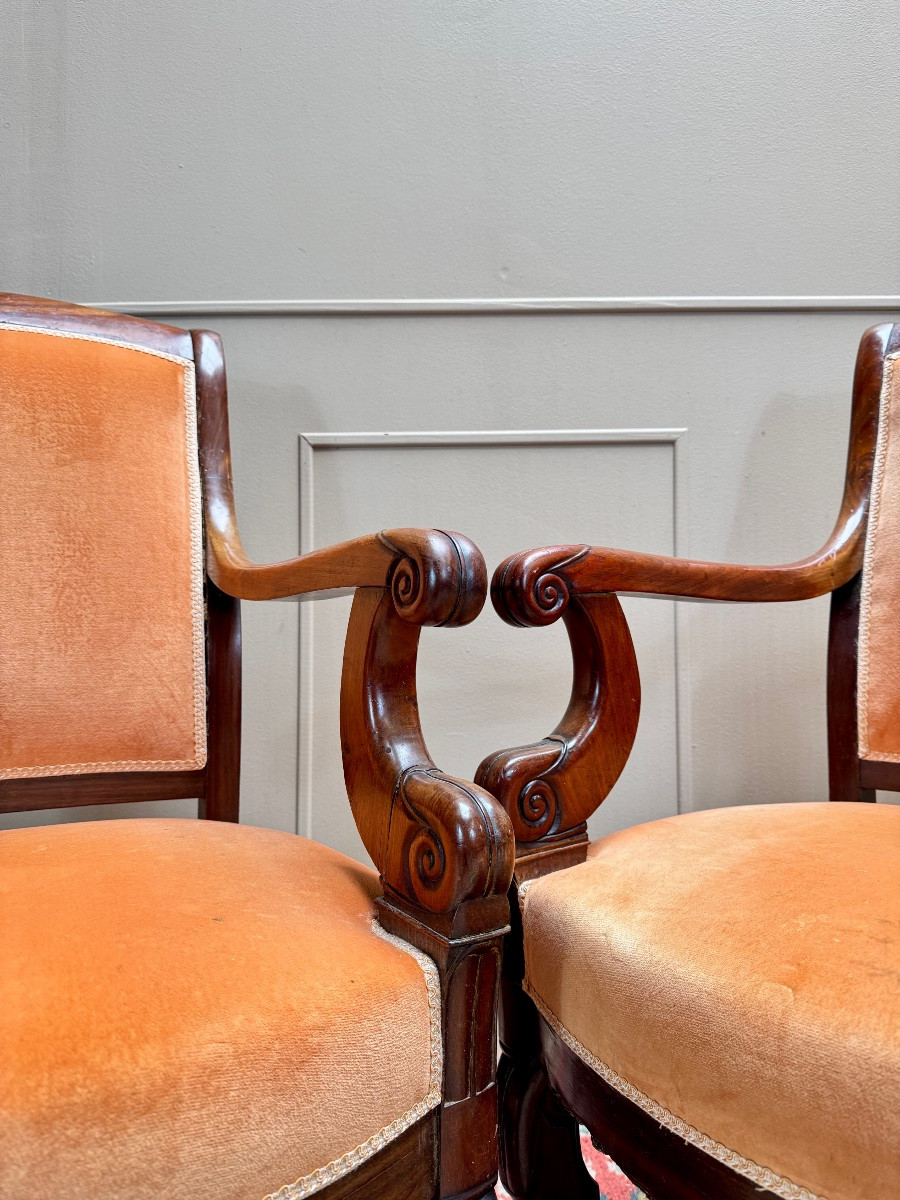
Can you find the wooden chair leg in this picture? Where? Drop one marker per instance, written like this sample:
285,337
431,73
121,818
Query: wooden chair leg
539,1142
540,1146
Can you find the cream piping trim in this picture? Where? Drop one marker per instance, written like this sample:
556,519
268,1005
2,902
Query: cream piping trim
878,472
342,1166
198,616
757,1174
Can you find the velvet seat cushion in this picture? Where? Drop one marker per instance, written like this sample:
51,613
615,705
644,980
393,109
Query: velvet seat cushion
194,1009
736,973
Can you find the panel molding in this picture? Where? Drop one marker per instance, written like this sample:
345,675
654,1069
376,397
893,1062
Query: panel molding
504,306
310,443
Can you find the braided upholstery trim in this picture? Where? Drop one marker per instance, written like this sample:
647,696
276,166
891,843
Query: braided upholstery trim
761,1176
865,605
323,1176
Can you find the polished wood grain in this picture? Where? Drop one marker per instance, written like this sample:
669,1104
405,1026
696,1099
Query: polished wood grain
221,794
844,777
443,846
550,788
40,313
849,777
883,776
76,791
406,1169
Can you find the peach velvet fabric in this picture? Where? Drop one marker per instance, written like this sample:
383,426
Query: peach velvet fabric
879,645
740,968
195,1009
101,587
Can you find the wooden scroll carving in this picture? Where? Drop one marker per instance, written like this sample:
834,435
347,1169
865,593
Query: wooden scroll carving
443,846
550,788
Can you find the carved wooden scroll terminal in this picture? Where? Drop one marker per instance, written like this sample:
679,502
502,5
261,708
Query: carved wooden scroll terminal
550,788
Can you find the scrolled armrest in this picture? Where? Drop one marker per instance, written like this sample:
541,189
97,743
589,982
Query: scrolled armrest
435,577
533,588
444,847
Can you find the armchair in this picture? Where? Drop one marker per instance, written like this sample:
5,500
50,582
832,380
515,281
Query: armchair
198,1007
714,995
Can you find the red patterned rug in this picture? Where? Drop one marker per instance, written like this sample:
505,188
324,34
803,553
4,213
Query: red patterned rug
612,1183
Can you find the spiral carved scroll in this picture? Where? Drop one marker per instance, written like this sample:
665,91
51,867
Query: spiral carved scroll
457,844
551,787
427,863
531,588
519,780
437,577
538,807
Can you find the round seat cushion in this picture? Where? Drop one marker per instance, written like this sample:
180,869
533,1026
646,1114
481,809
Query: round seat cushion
193,1008
736,973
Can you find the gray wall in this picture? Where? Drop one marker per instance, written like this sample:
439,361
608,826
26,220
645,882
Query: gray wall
190,160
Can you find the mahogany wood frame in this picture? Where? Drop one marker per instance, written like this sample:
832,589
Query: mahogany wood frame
551,787
443,847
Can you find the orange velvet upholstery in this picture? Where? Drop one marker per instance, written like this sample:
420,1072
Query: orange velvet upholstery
101,586
735,972
197,1009
878,698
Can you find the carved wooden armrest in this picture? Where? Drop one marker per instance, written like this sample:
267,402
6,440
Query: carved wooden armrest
529,587
533,588
443,846
396,558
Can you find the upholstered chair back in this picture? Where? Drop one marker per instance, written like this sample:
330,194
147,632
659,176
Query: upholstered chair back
101,556
878,694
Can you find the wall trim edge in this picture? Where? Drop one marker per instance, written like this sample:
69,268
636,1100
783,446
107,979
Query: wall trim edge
505,306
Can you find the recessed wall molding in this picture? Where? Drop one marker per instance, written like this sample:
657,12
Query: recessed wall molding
505,306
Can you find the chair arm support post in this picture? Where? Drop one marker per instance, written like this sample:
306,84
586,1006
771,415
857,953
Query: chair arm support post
444,847
550,788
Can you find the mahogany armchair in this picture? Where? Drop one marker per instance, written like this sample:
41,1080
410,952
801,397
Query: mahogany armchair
200,1008
715,995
